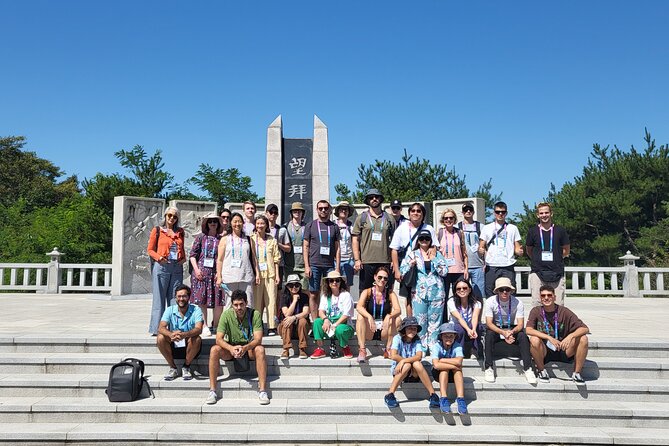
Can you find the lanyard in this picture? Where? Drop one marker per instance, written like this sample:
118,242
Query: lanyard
344,233
541,237
383,302
555,322
232,242
452,242
241,327
209,254
499,233
330,306
320,236
296,233
499,309
258,249
410,236
383,219
467,314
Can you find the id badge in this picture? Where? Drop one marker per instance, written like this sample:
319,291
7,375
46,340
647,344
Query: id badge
208,263
297,249
501,336
376,236
550,345
546,256
431,280
450,262
325,250
180,344
379,325
262,266
236,263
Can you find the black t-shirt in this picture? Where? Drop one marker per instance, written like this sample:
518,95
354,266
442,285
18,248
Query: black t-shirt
311,233
560,239
287,300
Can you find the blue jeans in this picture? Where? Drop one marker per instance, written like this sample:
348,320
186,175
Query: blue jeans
346,268
166,279
477,279
317,273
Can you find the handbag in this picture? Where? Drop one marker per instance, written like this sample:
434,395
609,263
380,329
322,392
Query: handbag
409,279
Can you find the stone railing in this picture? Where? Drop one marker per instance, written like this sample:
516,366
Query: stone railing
55,277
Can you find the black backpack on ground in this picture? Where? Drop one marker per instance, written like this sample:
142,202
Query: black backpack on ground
126,380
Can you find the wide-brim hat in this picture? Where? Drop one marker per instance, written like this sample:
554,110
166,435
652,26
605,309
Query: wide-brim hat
297,206
447,327
503,282
410,321
332,275
344,204
211,216
371,192
293,278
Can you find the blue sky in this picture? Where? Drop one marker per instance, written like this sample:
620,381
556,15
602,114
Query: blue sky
516,91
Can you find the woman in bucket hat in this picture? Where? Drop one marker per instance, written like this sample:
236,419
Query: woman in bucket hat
335,314
407,352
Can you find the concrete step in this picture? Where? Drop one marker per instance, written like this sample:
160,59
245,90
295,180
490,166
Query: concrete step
318,411
344,433
339,387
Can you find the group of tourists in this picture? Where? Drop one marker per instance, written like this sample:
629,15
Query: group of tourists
299,275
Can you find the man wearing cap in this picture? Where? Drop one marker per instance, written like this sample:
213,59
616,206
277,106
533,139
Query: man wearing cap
472,231
290,239
372,232
505,318
556,334
447,366
322,253
343,211
500,244
396,211
547,245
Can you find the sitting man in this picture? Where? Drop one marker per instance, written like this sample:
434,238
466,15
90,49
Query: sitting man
504,317
557,334
179,333
239,338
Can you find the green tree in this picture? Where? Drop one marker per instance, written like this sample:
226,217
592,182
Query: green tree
412,179
223,185
618,203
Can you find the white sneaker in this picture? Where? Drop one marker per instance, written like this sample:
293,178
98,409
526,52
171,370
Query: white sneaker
263,398
206,331
530,376
171,375
211,399
489,375
186,374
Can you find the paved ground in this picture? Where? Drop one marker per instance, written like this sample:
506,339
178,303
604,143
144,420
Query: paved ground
89,315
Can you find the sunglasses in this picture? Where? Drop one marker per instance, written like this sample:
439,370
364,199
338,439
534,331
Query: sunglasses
396,208
384,278
171,216
449,218
424,239
375,197
333,280
462,288
293,285
212,222
416,211
323,209
505,290
546,295
500,212
225,217
273,212
468,210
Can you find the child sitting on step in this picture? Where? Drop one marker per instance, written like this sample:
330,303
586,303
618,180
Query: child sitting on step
447,366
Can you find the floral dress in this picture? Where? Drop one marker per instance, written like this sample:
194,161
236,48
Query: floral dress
204,292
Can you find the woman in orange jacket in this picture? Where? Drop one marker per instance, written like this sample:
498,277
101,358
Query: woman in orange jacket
166,249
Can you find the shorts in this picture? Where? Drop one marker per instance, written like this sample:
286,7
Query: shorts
435,375
317,273
180,352
553,356
377,335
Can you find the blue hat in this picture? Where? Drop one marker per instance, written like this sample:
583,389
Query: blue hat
409,321
447,327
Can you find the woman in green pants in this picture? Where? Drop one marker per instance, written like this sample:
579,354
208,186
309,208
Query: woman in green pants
335,313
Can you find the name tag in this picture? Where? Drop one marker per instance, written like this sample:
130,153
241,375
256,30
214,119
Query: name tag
546,256
379,325
450,262
262,266
502,337
209,263
325,250
550,345
180,344
297,249
376,236
236,263
431,280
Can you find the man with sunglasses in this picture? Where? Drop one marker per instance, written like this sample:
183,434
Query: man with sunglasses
500,244
372,232
472,232
396,210
322,254
556,334
505,320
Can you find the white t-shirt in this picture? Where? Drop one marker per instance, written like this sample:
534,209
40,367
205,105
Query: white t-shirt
341,305
492,309
402,236
450,306
502,250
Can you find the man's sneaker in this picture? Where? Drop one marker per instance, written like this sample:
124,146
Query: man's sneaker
530,376
391,401
263,398
211,399
347,352
303,354
578,379
444,405
318,353
462,406
285,353
271,332
206,331
186,373
171,375
489,375
362,355
433,400
543,376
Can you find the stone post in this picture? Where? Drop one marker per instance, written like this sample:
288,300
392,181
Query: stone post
321,167
274,168
53,272
631,280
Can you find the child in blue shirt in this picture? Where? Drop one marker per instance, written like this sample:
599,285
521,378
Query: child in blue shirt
447,366
406,352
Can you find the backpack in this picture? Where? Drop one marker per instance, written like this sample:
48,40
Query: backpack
391,226
476,223
126,380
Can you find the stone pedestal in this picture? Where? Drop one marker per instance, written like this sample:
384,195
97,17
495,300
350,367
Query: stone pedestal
439,206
